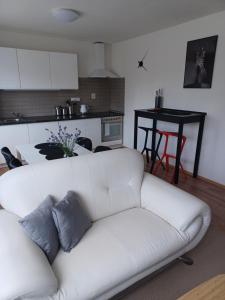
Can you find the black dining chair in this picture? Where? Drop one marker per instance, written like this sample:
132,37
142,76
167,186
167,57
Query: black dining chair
11,161
85,142
101,149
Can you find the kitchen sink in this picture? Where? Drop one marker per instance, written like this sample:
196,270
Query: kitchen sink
15,120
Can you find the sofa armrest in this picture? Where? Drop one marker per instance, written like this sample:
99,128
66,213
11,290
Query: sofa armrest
180,209
24,269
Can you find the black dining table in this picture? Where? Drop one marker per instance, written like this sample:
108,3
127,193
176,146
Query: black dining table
179,117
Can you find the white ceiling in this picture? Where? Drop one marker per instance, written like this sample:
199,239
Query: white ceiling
105,20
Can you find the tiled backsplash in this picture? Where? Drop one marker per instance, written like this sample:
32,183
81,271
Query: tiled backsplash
117,93
109,96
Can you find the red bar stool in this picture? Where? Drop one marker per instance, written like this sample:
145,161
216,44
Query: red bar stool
166,155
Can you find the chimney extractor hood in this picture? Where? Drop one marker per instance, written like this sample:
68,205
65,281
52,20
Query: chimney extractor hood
100,70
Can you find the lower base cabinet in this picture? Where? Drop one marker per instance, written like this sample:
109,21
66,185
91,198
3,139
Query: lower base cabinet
13,135
90,128
93,131
39,134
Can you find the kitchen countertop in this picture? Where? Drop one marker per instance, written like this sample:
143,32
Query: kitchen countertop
54,118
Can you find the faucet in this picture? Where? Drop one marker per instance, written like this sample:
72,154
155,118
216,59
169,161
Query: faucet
17,115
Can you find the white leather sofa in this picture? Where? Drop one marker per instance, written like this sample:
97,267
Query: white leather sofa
140,224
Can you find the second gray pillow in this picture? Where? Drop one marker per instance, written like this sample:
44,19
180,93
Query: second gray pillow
71,221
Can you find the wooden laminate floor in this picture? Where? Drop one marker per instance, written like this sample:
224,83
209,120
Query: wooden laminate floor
3,170
212,194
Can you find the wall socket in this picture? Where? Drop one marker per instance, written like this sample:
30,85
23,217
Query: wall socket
93,96
75,99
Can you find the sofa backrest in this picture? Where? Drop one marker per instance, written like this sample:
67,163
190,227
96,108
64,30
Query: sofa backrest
106,182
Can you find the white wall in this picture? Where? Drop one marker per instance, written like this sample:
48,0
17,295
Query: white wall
166,63
39,42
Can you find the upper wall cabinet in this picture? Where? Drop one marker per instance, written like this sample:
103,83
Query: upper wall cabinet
34,69
9,73
37,70
64,73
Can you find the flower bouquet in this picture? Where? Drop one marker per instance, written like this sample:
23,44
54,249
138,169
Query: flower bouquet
65,140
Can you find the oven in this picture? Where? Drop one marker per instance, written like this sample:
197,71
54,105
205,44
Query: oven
112,130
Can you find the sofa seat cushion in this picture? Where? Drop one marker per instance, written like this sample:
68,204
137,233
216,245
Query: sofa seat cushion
113,250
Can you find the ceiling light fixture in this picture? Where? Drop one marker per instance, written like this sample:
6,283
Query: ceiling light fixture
65,15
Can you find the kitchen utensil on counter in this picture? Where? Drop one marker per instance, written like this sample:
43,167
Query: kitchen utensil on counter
70,107
83,108
64,110
58,110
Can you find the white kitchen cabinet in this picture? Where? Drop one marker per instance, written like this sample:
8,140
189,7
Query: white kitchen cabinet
34,69
73,124
39,134
90,128
64,71
37,70
9,72
11,136
93,131
20,134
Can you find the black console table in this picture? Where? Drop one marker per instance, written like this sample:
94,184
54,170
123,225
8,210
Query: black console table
179,117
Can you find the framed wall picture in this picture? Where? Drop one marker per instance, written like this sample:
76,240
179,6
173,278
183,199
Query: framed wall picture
199,65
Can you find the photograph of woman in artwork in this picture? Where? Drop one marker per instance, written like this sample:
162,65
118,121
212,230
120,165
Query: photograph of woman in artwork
199,66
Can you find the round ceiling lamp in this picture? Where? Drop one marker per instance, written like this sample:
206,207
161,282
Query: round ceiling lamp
65,15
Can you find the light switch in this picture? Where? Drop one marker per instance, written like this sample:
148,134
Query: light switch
93,96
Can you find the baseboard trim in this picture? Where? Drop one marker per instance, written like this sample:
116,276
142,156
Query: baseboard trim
205,179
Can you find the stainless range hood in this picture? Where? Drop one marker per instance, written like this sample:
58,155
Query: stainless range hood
100,70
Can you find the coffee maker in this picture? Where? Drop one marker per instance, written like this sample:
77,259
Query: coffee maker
72,107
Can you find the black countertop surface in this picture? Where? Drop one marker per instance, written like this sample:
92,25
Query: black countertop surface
54,118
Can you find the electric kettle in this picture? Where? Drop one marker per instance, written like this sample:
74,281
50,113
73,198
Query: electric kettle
83,108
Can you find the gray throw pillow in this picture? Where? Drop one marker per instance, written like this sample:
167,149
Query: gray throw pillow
40,227
71,221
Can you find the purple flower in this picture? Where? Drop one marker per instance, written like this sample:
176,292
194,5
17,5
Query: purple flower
65,139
